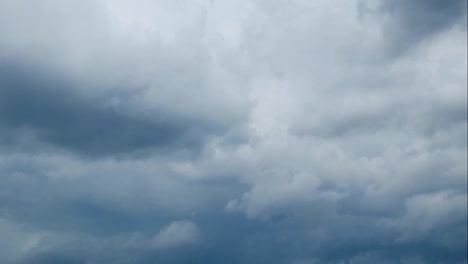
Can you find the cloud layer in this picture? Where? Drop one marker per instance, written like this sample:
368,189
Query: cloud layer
251,131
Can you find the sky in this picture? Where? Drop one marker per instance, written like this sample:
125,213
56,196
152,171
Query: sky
248,131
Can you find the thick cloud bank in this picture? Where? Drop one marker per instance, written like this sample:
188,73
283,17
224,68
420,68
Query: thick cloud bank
251,131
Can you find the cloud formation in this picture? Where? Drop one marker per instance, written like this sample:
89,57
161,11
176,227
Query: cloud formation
177,233
278,131
47,109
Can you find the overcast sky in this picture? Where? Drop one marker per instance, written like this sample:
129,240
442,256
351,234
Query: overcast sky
246,131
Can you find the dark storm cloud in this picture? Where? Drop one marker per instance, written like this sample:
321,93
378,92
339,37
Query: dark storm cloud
28,194
32,198
233,239
413,21
47,107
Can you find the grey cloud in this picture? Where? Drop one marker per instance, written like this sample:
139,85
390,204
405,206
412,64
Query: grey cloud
177,233
411,22
426,17
306,150
65,195
46,106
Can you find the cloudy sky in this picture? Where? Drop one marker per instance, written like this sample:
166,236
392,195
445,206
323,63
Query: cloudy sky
247,131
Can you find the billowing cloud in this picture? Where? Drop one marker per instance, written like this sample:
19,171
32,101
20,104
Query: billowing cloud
248,132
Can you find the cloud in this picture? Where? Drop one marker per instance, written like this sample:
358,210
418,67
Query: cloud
409,23
427,214
277,131
177,233
130,96
47,108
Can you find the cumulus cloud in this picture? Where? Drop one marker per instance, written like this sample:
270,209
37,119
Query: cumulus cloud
281,131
